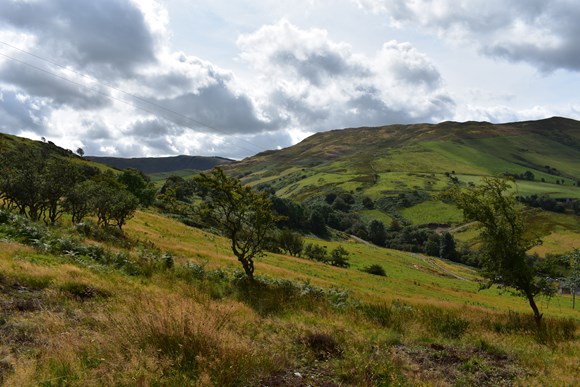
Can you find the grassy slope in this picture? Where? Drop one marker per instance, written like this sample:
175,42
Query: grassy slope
408,157
7,141
124,335
388,161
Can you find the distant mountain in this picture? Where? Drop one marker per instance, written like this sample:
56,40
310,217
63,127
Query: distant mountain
400,170
150,165
397,158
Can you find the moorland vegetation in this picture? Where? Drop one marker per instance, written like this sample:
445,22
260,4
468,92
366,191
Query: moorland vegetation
326,295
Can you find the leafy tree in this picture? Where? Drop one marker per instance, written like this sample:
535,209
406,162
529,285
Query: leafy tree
21,180
316,252
375,269
244,216
139,185
572,278
503,257
113,204
291,214
432,245
447,249
79,201
377,232
290,242
368,203
339,257
80,152
58,178
317,223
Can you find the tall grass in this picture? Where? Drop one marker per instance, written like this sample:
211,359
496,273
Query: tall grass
194,341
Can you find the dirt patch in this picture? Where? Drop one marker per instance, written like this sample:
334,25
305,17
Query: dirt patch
322,345
446,365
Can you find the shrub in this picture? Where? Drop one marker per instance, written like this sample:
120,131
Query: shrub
339,257
315,252
375,270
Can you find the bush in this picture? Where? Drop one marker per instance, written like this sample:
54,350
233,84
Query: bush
339,257
375,270
315,252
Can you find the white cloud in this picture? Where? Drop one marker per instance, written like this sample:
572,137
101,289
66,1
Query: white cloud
542,33
321,84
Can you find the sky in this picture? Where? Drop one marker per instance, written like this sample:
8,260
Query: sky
142,78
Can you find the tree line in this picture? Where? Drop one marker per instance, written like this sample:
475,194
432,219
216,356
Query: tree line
43,185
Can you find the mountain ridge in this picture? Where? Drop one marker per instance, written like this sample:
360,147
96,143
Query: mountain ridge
149,165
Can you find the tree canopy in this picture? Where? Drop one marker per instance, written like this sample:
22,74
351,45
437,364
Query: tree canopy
241,214
505,242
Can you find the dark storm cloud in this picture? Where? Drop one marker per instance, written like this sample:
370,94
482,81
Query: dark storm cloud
316,67
60,91
104,37
151,128
95,130
304,112
21,114
215,109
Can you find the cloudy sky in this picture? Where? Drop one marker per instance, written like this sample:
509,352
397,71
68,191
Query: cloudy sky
232,78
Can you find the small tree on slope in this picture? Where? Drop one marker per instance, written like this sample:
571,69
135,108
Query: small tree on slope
504,241
242,215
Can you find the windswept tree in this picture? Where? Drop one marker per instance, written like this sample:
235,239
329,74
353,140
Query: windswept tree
241,214
571,279
505,243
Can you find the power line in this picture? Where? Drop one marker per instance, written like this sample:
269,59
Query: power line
92,79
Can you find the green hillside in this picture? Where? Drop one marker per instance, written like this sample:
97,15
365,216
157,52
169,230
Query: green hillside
159,165
404,168
163,303
79,311
8,141
385,160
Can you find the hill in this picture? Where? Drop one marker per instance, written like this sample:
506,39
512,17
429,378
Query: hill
391,159
8,141
152,165
398,171
162,303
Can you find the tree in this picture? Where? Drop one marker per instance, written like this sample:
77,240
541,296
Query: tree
79,201
504,240
244,216
113,204
339,257
572,278
80,152
447,249
139,185
290,242
377,232
432,245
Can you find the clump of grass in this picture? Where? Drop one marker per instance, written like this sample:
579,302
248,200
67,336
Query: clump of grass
194,340
82,291
444,322
550,331
395,316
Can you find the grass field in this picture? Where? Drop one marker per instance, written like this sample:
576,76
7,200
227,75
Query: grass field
71,320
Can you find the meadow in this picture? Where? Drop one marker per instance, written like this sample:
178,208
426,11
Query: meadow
166,304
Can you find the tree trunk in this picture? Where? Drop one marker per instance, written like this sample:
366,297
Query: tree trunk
537,314
248,265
